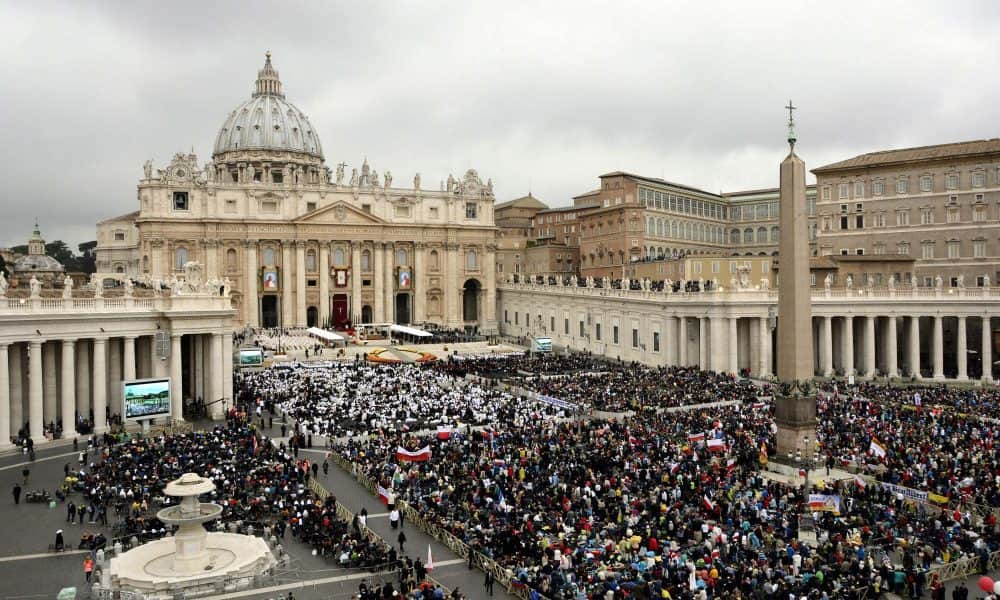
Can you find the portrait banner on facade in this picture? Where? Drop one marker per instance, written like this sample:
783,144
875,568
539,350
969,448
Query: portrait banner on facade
270,279
340,277
404,278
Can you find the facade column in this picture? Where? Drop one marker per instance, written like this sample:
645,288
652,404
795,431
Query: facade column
670,343
682,341
703,337
50,383
892,351
83,378
176,377
287,285
963,363
827,350
324,284
251,303
68,399
452,295
734,345
300,283
211,249
355,282
870,347
987,349
215,374
764,355
489,316
914,347
5,396
378,280
16,377
417,279
389,282
100,386
937,347
847,338
115,377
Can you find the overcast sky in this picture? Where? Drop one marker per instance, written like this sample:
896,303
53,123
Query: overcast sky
539,95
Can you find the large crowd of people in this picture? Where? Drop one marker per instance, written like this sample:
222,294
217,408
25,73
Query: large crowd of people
344,399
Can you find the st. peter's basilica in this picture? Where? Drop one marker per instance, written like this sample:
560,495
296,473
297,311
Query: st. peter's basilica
303,244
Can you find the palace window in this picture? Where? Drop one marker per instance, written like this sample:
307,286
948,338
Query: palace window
903,217
656,341
878,187
979,212
401,257
339,257
311,261
926,216
635,338
978,179
903,248
366,261
470,210
597,331
181,201
926,250
954,249
310,206
230,260
119,236
826,192
903,185
926,183
859,189
951,181
269,257
471,261
979,248
614,335
954,214
843,191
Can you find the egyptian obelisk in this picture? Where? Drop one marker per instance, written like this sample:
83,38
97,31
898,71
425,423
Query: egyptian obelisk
795,405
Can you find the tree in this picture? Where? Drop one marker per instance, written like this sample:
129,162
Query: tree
22,249
60,251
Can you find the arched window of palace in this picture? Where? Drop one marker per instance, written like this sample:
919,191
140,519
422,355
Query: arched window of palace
366,261
311,261
269,257
231,259
339,257
180,257
401,258
435,265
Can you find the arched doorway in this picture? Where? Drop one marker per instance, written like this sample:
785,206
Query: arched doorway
269,310
366,314
312,316
470,300
403,308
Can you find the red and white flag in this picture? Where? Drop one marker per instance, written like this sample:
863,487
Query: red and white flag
430,559
404,455
443,432
876,448
730,465
860,482
694,438
383,495
708,504
717,445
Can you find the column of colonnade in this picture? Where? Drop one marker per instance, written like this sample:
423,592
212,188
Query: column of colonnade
50,381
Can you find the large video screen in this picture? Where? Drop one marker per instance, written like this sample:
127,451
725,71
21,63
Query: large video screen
146,398
542,344
251,357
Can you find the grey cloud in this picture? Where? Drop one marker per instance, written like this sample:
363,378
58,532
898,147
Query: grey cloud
547,95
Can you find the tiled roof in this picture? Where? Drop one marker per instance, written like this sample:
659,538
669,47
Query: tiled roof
921,153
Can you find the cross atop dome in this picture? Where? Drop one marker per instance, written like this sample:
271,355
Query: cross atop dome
268,82
791,125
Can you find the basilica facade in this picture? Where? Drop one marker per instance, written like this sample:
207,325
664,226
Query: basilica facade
303,244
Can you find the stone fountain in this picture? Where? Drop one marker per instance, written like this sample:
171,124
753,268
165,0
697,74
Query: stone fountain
195,561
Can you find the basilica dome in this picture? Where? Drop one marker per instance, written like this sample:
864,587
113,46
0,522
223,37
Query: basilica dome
268,122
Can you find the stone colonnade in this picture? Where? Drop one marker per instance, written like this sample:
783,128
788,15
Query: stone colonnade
934,336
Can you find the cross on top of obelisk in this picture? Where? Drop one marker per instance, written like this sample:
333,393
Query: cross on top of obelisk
791,125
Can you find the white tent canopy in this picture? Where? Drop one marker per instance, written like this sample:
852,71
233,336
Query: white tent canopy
409,330
323,334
